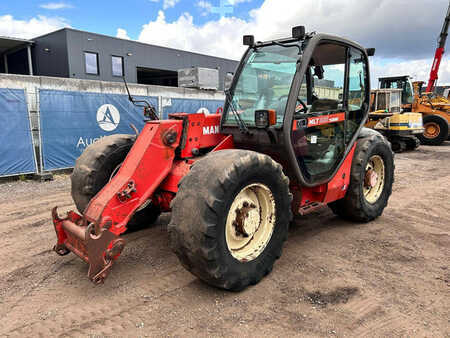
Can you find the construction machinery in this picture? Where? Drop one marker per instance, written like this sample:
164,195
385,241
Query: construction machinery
435,110
233,181
386,116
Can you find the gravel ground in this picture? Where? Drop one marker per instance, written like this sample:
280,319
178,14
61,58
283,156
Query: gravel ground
389,277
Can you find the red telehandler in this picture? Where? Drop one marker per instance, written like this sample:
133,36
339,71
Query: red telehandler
234,181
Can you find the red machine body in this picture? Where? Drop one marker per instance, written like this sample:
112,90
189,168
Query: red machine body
161,156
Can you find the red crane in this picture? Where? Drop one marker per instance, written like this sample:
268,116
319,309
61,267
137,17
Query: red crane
439,52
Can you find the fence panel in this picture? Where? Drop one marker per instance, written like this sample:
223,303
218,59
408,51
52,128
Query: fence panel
70,121
171,105
17,155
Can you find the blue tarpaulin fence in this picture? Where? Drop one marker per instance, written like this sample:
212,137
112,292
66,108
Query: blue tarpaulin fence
16,145
171,105
70,121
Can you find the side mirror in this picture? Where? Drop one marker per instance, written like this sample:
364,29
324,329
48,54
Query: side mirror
228,81
249,40
318,71
370,51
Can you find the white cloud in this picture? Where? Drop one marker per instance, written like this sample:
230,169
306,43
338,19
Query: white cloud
34,27
122,34
170,3
211,38
385,25
56,5
418,69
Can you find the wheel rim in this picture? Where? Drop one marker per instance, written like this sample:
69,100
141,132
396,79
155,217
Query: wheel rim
250,222
432,130
374,179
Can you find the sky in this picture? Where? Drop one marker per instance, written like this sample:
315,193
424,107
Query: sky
404,32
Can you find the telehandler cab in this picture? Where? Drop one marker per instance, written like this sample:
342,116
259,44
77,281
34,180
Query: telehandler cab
234,181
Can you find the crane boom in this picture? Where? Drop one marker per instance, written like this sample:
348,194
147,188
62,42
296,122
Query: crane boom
439,52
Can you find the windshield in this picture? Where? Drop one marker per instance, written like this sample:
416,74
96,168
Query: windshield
264,83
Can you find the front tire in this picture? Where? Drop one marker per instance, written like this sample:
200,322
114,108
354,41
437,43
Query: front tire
230,218
371,179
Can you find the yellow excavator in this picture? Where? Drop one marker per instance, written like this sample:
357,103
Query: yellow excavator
386,115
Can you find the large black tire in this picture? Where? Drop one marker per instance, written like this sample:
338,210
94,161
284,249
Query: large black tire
354,206
93,170
443,130
200,210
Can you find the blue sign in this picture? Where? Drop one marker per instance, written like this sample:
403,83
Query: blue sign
16,145
71,121
190,106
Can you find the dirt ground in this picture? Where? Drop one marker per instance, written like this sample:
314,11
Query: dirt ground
386,278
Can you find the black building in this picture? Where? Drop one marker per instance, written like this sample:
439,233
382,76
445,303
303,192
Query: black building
77,54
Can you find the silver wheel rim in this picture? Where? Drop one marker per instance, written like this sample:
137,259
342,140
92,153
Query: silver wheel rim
250,222
374,179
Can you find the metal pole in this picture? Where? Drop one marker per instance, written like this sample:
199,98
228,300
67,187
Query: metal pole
160,107
38,109
30,61
5,60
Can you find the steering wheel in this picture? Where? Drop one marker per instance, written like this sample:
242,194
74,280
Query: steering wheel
304,109
299,100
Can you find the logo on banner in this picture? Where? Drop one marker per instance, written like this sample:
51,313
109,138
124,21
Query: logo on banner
108,117
203,110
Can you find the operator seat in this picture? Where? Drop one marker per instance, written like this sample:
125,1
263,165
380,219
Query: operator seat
321,105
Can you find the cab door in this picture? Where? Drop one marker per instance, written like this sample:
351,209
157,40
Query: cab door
335,109
318,138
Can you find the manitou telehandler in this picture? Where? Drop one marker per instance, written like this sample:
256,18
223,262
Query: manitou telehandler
234,181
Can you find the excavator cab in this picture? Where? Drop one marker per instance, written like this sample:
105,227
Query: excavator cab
399,82
302,100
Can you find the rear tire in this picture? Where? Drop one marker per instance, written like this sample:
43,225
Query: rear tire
436,130
208,196
360,203
93,170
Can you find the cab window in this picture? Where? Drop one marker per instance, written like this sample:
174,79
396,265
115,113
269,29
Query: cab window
319,128
357,83
263,83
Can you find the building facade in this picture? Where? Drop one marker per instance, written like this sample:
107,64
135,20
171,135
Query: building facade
77,54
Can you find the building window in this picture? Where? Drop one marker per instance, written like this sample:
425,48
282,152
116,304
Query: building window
117,66
91,63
